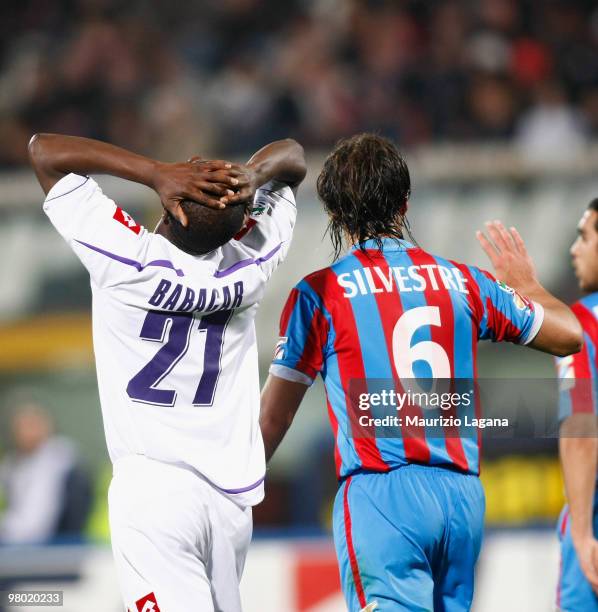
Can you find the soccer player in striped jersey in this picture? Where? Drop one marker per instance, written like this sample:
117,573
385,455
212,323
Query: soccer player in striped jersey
578,524
408,516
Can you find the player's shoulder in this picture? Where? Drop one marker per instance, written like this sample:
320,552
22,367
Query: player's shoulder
588,301
275,191
314,281
587,305
471,272
316,285
71,186
323,285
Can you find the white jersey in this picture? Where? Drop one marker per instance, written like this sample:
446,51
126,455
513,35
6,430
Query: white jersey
174,334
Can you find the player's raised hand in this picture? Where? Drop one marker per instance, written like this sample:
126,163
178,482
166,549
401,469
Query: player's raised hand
205,182
509,257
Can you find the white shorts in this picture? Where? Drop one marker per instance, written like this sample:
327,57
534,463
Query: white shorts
179,544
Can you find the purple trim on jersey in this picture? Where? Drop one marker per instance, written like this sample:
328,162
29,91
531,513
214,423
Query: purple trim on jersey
162,263
247,262
244,489
279,195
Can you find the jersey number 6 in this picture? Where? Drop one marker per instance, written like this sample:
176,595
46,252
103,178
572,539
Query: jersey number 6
177,326
405,354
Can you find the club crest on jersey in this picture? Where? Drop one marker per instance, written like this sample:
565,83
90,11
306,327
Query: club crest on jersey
124,218
147,603
505,287
258,209
520,302
279,350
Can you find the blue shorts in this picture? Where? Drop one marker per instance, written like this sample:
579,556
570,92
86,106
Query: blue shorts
574,593
409,539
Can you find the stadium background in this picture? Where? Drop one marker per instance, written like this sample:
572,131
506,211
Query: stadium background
495,104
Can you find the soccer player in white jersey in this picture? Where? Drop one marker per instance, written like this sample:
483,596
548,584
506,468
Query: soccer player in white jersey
176,355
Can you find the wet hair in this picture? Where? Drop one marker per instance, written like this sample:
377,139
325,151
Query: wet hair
207,228
364,187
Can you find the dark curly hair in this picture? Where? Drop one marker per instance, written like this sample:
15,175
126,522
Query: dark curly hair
207,228
364,187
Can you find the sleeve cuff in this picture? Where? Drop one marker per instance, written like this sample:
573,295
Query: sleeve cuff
289,374
537,324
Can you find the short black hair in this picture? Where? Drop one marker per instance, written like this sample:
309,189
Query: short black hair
207,228
364,186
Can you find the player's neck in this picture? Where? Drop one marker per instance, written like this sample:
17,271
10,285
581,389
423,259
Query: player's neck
355,240
163,229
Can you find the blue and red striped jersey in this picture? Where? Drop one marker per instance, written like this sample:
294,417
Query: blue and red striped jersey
578,373
393,314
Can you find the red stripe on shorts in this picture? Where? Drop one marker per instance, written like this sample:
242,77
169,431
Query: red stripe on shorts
350,549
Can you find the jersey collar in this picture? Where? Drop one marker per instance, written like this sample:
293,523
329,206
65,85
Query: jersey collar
388,244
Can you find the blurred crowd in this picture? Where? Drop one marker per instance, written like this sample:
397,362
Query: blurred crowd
224,76
45,489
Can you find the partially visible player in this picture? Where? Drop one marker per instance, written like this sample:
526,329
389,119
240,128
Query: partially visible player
176,355
408,516
578,524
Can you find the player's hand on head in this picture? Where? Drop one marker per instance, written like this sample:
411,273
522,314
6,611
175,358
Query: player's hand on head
509,257
246,188
205,182
239,182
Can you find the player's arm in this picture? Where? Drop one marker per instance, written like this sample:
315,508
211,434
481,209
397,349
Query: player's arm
298,359
560,333
282,160
53,156
579,463
279,404
578,450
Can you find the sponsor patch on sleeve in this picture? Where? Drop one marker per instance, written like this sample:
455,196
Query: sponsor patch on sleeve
124,218
521,303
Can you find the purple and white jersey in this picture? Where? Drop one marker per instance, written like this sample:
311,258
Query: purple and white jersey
174,334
